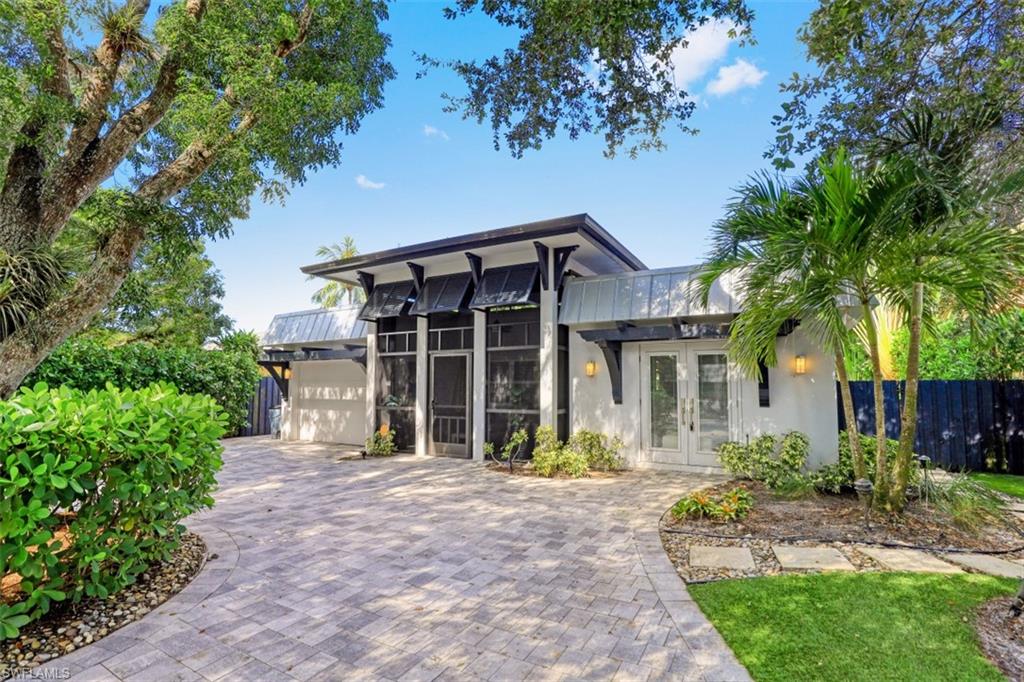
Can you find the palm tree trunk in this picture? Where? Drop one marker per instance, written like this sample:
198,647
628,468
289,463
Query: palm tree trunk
881,495
908,430
860,469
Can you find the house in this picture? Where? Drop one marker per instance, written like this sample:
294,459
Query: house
462,340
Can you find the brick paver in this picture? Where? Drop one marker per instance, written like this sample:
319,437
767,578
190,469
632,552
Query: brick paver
414,568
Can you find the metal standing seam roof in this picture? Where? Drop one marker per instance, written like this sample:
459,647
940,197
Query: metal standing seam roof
315,326
643,295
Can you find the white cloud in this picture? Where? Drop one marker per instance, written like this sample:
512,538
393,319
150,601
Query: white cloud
704,46
366,183
431,131
738,75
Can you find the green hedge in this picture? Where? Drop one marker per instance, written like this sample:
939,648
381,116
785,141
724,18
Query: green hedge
112,471
229,377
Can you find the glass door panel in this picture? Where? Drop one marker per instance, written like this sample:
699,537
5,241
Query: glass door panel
663,398
712,418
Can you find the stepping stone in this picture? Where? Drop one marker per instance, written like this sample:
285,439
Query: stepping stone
986,563
805,558
909,560
736,558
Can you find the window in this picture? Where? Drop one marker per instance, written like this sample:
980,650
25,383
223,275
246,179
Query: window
513,373
396,378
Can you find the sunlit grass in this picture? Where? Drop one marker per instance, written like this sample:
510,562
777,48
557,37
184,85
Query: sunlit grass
854,626
1004,483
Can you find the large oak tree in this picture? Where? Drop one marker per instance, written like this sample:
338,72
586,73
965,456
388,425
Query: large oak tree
163,121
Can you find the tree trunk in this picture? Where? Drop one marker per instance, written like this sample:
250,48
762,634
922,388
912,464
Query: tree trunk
28,346
908,429
860,469
881,495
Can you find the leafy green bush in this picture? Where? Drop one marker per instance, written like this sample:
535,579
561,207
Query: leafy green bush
729,506
765,459
585,450
547,451
597,450
228,376
835,477
381,442
94,485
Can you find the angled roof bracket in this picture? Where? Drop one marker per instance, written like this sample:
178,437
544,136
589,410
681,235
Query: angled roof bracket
476,267
612,351
542,261
417,276
366,280
562,254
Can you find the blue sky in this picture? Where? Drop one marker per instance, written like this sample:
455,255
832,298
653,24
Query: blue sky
413,173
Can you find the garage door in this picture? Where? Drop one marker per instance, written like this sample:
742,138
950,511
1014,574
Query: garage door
328,402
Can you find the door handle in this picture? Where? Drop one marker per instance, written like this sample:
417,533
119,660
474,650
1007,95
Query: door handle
691,413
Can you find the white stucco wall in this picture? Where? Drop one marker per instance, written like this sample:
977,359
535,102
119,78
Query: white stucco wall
326,402
804,403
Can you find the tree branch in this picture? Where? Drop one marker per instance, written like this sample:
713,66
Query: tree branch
25,348
93,108
76,179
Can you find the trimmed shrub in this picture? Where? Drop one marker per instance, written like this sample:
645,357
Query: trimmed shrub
94,485
229,376
767,460
600,452
585,450
835,477
547,451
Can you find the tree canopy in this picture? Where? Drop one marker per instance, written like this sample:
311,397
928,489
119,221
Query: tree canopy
198,105
876,58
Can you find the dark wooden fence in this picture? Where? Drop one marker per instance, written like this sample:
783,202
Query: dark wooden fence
975,425
267,395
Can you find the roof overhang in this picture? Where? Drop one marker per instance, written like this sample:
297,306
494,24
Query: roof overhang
597,252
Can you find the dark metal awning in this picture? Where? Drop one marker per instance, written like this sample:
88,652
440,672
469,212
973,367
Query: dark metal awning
510,285
444,294
387,300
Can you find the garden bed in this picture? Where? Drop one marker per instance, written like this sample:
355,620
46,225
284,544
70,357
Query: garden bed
1002,637
68,626
840,518
526,469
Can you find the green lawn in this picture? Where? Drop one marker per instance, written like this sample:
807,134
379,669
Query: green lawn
849,626
1004,483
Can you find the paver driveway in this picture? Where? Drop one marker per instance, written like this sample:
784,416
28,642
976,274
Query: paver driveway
414,568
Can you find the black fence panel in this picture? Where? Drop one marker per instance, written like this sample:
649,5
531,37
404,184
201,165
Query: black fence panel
975,425
266,396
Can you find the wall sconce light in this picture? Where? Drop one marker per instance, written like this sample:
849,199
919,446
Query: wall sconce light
590,368
800,365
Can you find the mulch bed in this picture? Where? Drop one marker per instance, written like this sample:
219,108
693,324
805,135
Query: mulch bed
71,626
1002,637
840,518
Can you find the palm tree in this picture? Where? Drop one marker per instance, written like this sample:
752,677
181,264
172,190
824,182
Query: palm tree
806,250
962,244
333,293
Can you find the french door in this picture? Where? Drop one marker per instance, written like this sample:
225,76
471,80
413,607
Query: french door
687,410
450,391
